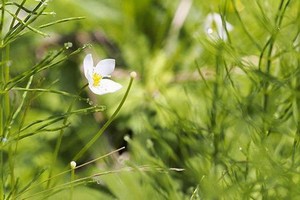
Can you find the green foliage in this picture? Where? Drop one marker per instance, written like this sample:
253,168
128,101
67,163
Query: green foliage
210,116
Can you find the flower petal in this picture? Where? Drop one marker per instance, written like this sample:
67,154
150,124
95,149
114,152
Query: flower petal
88,65
105,67
106,86
213,26
89,78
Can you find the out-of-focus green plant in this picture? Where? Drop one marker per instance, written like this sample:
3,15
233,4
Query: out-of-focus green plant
216,96
221,104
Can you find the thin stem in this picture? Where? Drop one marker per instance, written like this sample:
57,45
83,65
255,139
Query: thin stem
25,25
73,167
4,98
243,25
223,18
14,151
2,18
59,139
61,21
99,133
68,170
43,65
214,108
2,175
93,177
270,43
42,90
6,80
20,26
16,14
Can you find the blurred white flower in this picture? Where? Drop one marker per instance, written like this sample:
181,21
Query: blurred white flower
98,76
73,164
214,28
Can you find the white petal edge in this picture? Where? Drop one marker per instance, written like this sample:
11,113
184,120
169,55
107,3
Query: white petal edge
229,26
88,65
105,67
106,86
217,19
90,79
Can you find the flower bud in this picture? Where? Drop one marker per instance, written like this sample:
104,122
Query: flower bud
73,164
133,74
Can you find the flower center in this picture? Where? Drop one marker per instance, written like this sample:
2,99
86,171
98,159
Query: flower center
96,79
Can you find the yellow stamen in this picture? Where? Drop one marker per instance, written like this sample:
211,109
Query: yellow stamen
96,79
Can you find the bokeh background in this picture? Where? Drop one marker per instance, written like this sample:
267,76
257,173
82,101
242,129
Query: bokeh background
210,106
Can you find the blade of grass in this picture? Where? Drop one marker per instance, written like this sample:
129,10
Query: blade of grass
26,25
61,21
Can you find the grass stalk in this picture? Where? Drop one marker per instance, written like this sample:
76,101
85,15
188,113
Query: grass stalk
16,14
73,167
2,196
60,137
268,49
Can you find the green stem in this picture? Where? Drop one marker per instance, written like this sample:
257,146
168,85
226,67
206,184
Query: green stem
16,14
6,80
269,47
99,133
72,180
47,63
214,107
2,175
59,139
2,18
14,151
5,105
1,105
7,116
243,26
15,30
42,90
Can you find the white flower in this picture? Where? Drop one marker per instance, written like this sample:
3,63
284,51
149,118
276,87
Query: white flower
98,76
213,26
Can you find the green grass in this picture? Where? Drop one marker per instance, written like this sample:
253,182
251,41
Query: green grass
209,116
